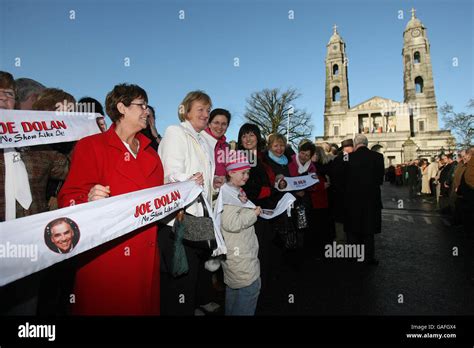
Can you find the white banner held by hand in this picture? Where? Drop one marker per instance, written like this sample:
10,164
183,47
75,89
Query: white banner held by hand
283,205
230,195
20,128
296,183
27,245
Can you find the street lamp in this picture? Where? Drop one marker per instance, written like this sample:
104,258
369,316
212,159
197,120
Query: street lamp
290,111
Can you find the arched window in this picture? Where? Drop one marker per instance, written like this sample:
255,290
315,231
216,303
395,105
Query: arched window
416,57
335,69
336,131
419,85
336,94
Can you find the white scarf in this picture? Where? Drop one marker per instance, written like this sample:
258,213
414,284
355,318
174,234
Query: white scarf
17,185
302,168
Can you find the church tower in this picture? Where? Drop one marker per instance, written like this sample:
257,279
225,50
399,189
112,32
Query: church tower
337,87
418,86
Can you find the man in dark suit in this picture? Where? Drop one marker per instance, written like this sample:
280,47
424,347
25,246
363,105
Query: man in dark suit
364,174
336,189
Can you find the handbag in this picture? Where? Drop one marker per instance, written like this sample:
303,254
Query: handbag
198,230
286,233
301,219
179,261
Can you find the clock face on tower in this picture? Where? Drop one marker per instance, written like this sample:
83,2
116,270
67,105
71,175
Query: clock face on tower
334,47
416,33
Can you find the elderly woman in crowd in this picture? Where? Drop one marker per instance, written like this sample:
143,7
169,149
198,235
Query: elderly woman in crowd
39,164
109,282
278,163
299,165
425,178
54,99
187,155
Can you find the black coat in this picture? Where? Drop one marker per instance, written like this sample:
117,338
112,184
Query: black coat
336,173
413,174
364,174
258,178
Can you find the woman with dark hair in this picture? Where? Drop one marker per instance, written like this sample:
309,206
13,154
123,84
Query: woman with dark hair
108,280
259,189
150,131
219,121
88,104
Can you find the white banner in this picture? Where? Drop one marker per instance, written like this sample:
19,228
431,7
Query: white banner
285,203
234,196
27,128
296,183
30,244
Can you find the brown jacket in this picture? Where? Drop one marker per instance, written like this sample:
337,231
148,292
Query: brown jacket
42,163
458,172
469,173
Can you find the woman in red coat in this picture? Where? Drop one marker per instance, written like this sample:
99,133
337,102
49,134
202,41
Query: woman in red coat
120,277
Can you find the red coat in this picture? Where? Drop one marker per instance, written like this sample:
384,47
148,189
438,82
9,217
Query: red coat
121,277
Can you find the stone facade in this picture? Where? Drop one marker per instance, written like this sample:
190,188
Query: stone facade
400,131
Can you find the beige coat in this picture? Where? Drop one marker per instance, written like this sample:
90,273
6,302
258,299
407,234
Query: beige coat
242,266
425,181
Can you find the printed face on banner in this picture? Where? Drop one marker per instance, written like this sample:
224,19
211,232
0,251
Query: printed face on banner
282,184
61,235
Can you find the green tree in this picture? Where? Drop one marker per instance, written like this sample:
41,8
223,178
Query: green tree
460,123
269,109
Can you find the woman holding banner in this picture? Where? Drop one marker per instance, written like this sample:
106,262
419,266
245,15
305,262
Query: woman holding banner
27,168
120,277
187,155
259,189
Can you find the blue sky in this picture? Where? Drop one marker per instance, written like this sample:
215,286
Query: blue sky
170,56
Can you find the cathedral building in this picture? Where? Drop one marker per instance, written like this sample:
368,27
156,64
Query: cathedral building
400,131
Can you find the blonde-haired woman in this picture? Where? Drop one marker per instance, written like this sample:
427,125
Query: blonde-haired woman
186,155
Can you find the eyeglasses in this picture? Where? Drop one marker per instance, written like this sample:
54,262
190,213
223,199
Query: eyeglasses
144,106
7,93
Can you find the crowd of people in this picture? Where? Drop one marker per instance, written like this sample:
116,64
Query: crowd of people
442,180
344,206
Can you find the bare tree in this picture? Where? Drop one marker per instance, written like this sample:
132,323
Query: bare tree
462,124
269,109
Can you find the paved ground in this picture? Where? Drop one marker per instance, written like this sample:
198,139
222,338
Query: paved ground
417,274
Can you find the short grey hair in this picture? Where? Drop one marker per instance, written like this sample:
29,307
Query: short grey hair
360,139
25,87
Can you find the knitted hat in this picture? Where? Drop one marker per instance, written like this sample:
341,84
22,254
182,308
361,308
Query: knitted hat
238,162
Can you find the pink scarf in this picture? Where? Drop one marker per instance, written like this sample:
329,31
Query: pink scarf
219,153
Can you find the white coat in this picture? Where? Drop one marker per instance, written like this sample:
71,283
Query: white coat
185,152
